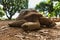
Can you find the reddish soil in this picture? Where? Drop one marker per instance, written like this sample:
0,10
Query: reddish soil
11,33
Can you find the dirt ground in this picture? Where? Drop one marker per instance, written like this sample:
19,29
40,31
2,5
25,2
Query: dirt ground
11,33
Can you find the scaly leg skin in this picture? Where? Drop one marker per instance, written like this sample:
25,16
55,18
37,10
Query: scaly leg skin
31,26
17,23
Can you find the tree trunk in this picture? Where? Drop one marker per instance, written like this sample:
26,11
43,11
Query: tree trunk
9,18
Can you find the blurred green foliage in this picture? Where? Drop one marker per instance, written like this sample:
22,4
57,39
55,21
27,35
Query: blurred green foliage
2,13
51,6
12,6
